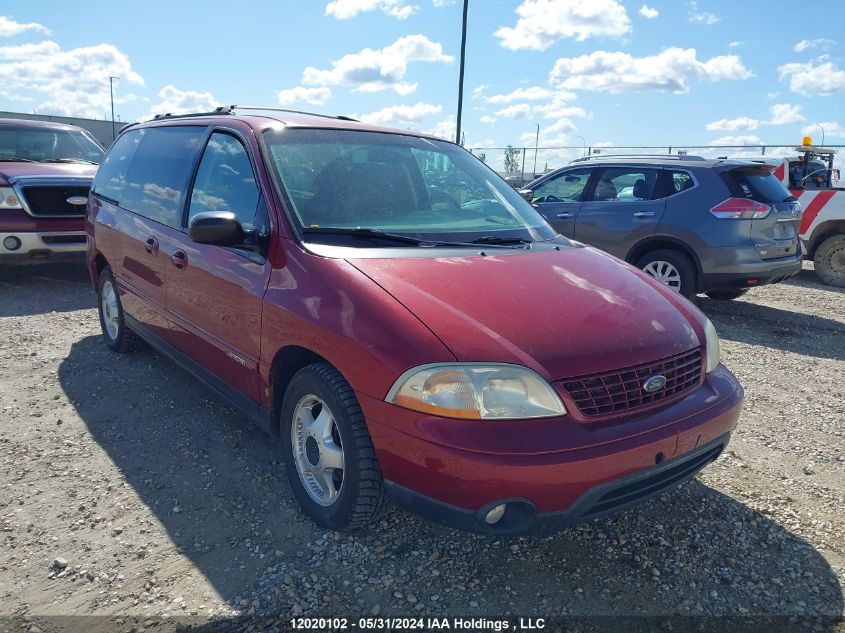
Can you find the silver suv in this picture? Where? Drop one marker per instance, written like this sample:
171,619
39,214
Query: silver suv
717,227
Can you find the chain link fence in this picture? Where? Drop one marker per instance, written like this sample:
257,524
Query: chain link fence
520,165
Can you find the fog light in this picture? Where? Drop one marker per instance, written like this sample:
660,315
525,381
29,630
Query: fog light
495,515
12,243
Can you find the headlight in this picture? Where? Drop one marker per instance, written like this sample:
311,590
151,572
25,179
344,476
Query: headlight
476,391
713,351
9,199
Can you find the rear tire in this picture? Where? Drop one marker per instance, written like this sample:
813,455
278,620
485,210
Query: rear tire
672,268
726,295
338,498
829,261
118,337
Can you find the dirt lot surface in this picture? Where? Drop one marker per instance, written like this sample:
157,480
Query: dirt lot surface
129,492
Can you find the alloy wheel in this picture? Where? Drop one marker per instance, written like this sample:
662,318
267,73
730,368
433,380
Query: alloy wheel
317,450
111,311
665,273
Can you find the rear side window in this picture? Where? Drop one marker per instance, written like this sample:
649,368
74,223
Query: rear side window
111,176
158,176
756,183
625,184
225,181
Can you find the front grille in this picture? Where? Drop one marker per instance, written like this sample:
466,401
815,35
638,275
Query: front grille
621,392
643,488
51,200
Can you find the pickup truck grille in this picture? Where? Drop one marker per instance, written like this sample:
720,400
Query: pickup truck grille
609,395
52,200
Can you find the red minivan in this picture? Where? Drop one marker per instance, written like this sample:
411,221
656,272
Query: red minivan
407,324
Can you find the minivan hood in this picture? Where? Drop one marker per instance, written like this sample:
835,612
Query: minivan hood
562,313
11,172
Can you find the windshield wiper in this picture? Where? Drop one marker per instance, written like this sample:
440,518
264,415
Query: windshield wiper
16,159
407,239
500,241
70,160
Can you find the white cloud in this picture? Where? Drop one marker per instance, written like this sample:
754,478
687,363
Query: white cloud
444,3
487,119
821,77
543,22
732,125
831,128
649,13
345,9
701,17
401,114
785,114
734,44
71,82
175,101
522,94
374,70
748,139
668,71
822,43
444,129
771,96
9,27
558,110
516,111
300,94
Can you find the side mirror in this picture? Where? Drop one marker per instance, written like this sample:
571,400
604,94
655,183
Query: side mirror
220,228
527,194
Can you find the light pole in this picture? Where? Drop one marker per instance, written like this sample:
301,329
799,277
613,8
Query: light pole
536,147
583,142
461,77
822,129
111,94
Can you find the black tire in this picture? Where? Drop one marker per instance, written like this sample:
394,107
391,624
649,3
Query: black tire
362,497
726,294
125,340
681,262
829,261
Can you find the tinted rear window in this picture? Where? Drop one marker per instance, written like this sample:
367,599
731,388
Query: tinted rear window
756,183
158,175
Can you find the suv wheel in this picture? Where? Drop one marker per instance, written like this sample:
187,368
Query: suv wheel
671,268
829,261
329,456
118,337
727,294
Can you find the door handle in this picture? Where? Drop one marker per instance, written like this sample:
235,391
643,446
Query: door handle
644,214
151,246
566,214
179,259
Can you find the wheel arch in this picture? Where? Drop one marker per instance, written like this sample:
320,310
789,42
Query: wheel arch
657,242
286,362
822,232
96,266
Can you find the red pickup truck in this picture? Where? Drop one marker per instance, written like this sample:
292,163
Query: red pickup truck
46,171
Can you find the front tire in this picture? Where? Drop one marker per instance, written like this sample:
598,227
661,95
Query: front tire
329,455
118,337
829,261
671,268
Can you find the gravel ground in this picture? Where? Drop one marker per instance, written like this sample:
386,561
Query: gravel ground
129,493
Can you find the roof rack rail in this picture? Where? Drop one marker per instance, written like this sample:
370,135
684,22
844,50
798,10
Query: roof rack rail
617,156
232,108
216,111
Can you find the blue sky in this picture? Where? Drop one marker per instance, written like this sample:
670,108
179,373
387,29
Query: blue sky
612,71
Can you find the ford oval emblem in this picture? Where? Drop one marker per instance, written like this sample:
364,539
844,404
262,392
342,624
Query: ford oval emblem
77,201
654,383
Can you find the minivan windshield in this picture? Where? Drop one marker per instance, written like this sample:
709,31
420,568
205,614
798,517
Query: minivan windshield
352,186
45,145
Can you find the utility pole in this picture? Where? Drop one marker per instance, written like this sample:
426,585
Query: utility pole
461,77
536,147
111,94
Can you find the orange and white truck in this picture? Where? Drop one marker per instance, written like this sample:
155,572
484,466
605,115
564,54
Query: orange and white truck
811,177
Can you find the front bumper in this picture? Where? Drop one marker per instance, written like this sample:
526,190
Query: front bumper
552,472
22,245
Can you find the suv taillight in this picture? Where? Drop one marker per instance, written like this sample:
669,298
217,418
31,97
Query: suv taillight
741,209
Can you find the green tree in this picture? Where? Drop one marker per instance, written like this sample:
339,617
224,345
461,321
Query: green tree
482,157
511,159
